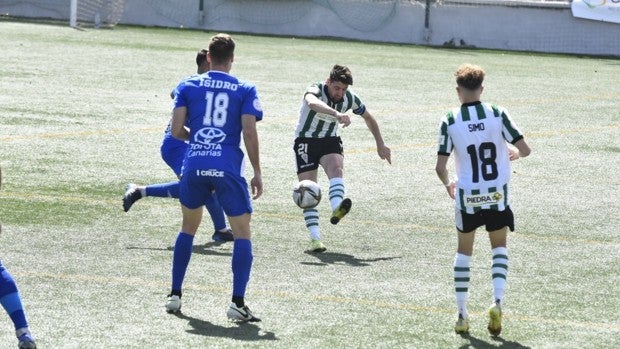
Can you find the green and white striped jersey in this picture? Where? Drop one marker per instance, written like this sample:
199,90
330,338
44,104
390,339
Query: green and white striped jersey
317,125
477,133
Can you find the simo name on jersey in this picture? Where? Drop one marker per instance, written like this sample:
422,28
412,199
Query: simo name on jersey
476,127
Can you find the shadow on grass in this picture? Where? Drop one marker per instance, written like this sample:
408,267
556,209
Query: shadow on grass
482,344
244,331
208,249
326,258
205,249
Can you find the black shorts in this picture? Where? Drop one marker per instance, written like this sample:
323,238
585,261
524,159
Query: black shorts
492,219
308,151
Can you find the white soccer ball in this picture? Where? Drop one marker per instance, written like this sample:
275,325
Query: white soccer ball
307,194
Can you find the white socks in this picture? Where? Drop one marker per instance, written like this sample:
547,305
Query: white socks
461,282
499,270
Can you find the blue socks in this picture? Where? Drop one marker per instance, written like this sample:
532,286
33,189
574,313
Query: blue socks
180,259
10,299
241,266
216,212
163,190
241,263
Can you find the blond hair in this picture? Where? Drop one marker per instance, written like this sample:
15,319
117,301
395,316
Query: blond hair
469,76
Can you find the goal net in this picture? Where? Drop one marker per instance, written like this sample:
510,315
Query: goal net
95,13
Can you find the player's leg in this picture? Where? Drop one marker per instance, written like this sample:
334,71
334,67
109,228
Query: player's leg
172,152
466,225
499,267
181,255
193,196
234,196
307,152
499,271
134,192
311,217
462,276
163,190
333,164
497,224
221,230
242,259
12,304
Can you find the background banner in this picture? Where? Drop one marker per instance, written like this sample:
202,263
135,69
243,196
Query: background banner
599,10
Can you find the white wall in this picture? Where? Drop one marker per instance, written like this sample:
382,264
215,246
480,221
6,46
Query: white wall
522,28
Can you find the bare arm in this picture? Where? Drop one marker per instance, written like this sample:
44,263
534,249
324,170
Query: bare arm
519,150
250,139
321,107
177,125
441,167
384,152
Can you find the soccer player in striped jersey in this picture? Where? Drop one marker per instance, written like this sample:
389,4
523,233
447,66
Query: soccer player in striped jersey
173,152
12,303
317,142
215,112
484,139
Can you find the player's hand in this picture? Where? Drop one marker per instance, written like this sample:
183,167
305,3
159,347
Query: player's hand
385,153
257,186
343,119
513,152
451,188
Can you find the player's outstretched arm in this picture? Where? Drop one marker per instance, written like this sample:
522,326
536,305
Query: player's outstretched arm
250,139
383,150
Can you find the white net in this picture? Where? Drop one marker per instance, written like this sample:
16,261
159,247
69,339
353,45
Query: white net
362,15
526,25
365,16
98,13
520,3
89,12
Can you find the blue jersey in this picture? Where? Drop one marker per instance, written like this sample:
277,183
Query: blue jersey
173,151
215,102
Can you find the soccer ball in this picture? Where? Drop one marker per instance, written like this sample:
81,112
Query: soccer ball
307,194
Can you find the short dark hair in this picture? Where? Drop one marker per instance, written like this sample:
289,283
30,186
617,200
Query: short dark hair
469,76
342,74
221,48
201,57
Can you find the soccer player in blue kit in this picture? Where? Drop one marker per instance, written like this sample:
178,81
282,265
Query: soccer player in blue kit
212,110
173,152
12,303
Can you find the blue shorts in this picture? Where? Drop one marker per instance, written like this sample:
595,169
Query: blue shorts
231,190
173,152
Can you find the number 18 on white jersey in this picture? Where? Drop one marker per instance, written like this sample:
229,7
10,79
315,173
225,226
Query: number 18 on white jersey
477,133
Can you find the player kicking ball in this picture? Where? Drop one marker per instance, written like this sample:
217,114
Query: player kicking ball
317,143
